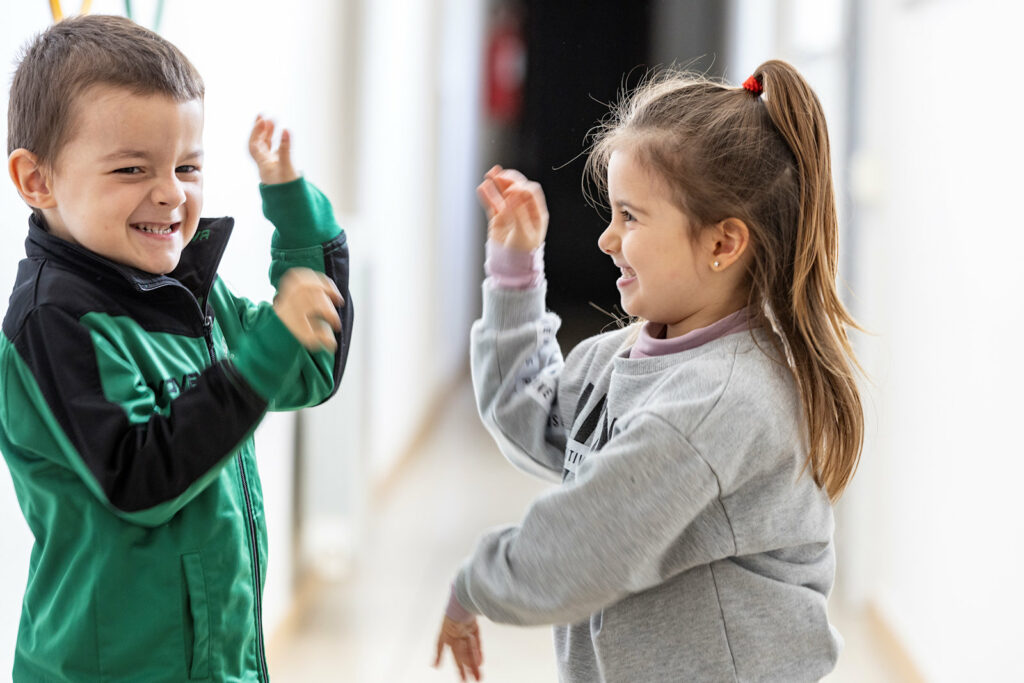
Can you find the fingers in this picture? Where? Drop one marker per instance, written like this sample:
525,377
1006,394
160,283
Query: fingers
440,649
490,197
307,303
284,147
537,206
472,644
463,639
260,137
505,177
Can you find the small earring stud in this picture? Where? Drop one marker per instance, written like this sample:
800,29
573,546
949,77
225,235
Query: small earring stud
715,264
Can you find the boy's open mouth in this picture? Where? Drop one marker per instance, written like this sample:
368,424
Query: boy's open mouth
156,228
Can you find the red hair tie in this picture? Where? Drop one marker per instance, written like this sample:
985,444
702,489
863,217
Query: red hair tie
753,85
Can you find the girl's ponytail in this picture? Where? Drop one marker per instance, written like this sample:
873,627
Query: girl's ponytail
810,315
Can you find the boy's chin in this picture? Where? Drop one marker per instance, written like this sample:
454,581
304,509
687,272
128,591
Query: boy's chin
159,266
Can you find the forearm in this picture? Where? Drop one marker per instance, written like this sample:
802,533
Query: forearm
307,236
641,509
516,367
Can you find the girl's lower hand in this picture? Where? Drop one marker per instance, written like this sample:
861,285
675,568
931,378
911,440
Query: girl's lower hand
463,638
517,213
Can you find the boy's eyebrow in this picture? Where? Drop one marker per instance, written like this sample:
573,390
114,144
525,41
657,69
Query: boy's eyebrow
141,154
125,154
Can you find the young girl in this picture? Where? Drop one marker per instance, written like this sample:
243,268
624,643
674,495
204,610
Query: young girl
701,448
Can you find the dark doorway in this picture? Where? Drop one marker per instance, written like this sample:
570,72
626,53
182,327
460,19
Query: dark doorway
581,55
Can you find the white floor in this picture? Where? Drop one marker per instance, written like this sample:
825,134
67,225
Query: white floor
380,624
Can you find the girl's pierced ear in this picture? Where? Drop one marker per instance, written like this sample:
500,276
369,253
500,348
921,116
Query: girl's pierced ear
714,266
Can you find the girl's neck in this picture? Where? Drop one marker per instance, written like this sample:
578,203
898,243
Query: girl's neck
703,318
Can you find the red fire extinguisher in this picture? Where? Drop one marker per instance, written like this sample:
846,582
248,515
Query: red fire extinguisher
505,67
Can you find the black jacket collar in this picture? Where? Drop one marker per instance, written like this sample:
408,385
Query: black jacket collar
196,269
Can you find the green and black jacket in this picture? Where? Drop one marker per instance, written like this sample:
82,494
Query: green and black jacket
127,407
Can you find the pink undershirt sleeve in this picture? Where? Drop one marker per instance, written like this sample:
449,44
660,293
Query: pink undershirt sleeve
512,268
455,610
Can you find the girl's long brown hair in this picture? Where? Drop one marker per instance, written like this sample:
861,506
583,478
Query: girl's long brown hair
765,159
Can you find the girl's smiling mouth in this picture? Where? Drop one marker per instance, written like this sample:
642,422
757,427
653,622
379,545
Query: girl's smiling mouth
628,275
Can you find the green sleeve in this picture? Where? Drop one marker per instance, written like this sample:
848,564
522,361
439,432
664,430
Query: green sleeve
306,235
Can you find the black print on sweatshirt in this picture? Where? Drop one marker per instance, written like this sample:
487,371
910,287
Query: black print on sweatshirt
582,442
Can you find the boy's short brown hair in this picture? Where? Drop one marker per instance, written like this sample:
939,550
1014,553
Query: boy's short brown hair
77,53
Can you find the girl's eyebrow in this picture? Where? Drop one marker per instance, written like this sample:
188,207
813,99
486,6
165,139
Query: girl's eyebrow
629,206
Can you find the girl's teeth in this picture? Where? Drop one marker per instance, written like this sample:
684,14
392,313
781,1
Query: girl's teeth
154,229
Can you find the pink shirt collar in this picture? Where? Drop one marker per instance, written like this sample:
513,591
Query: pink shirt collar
648,344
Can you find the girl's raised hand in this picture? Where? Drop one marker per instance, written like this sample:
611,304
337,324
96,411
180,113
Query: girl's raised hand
517,214
463,638
275,165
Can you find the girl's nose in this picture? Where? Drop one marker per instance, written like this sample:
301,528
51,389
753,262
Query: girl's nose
608,242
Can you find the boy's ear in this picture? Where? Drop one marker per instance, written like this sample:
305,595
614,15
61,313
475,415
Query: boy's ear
31,179
727,240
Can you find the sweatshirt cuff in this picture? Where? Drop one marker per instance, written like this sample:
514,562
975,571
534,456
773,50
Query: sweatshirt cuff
301,214
267,355
455,611
513,268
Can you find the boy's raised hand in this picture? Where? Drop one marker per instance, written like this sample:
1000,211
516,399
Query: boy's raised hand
307,303
516,211
275,165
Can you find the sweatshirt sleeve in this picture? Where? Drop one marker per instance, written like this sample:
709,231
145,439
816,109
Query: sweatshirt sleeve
516,367
72,398
305,235
646,506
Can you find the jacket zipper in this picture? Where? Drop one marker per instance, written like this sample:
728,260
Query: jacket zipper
251,520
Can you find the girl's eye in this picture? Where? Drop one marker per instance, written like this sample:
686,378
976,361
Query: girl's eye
627,216
129,170
186,169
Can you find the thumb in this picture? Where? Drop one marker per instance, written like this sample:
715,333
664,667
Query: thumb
284,149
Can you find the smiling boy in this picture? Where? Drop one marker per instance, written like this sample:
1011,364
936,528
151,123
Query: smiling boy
131,378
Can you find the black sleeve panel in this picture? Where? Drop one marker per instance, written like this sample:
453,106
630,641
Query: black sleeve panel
153,468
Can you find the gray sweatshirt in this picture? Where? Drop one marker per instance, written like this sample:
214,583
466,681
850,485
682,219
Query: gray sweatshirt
686,542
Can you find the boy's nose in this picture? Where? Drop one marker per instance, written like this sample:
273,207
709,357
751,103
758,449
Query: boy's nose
169,192
608,242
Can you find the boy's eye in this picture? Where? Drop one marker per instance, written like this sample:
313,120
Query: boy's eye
129,170
186,169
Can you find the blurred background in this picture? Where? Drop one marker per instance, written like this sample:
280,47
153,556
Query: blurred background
397,108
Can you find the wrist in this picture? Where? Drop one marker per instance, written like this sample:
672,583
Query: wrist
513,268
271,180
455,611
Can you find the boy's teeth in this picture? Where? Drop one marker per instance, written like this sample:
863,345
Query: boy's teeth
155,229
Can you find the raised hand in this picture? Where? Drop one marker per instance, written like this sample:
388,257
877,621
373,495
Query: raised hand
517,214
275,165
463,638
307,303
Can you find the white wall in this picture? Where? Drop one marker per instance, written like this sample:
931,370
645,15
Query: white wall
931,532
254,58
418,127
941,120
